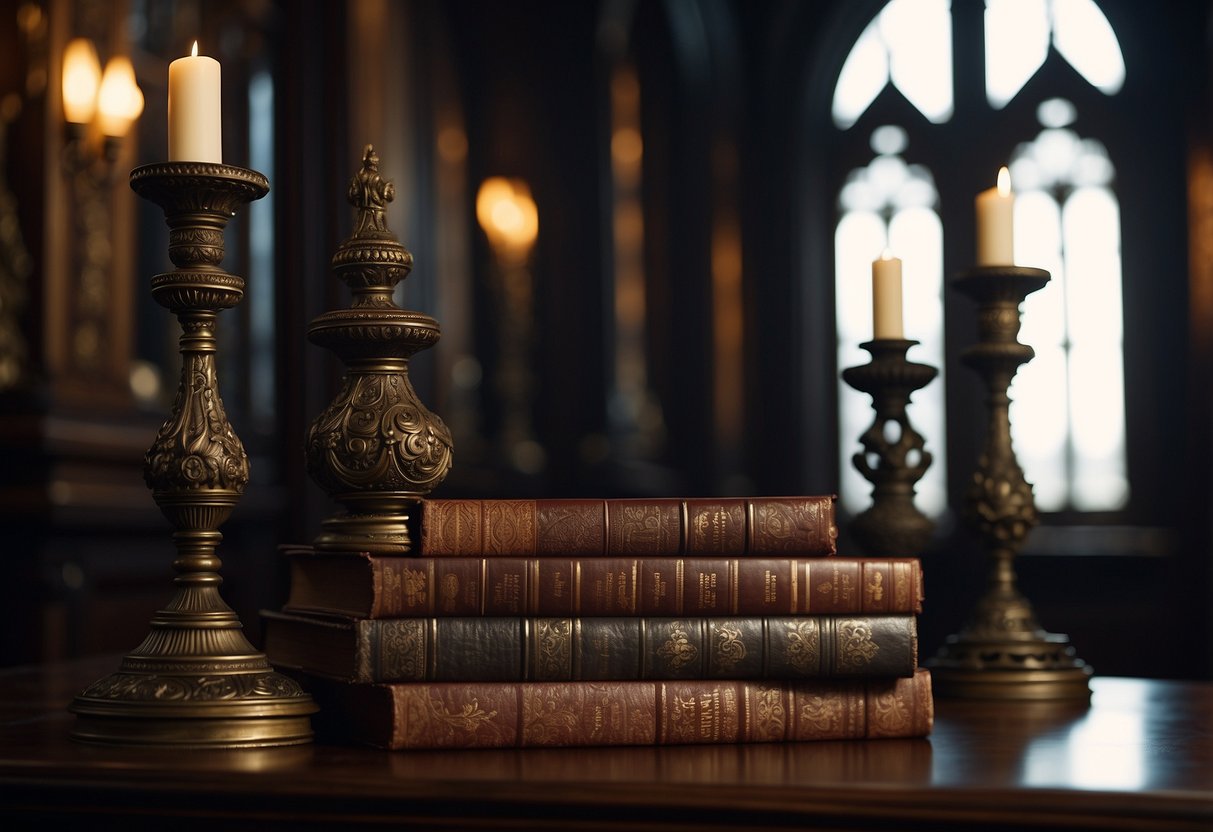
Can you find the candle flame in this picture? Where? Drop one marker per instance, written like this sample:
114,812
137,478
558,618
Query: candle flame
194,53
886,255
1004,181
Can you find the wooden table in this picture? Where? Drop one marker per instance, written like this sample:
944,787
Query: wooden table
1141,757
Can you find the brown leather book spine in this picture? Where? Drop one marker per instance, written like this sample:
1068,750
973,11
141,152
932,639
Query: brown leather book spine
608,586
620,527
547,714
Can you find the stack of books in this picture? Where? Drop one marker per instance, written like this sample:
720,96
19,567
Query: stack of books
521,623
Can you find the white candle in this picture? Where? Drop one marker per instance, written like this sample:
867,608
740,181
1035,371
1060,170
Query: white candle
886,298
195,132
995,224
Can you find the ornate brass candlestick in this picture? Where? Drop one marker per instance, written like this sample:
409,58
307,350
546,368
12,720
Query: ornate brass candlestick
892,525
1002,652
376,449
195,681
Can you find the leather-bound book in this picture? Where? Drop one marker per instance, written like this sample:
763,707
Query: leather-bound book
361,585
420,715
490,649
803,526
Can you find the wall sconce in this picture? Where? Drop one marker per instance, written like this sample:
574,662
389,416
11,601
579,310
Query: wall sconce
99,108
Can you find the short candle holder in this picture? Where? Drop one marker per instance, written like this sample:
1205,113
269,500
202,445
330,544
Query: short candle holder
1002,652
894,456
196,681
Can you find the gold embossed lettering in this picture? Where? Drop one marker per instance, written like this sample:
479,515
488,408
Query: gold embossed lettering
707,590
508,592
658,589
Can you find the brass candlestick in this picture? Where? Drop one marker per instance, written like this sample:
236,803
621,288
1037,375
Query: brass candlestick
892,525
376,449
195,681
1002,652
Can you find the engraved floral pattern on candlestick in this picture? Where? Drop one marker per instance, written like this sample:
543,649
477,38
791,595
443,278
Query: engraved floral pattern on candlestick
376,435
166,688
196,447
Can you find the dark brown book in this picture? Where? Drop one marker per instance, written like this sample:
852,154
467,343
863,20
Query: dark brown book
492,649
640,527
361,585
419,715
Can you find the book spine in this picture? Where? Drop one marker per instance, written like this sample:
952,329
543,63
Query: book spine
664,586
556,714
591,649
589,528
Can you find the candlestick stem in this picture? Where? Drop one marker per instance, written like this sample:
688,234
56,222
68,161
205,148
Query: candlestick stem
1002,652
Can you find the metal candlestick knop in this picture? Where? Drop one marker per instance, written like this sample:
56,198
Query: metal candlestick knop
1002,652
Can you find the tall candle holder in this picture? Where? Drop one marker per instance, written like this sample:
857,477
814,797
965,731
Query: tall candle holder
892,526
1002,652
375,449
196,681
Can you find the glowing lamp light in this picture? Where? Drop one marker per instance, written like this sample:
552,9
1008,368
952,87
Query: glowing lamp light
81,79
120,101
508,214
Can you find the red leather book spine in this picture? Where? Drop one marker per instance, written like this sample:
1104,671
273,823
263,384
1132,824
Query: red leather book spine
538,714
639,527
609,586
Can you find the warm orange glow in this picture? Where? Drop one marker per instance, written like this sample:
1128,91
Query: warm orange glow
120,101
508,215
81,78
1004,181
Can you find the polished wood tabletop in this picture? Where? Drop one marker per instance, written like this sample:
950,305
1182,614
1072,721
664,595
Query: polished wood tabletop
1139,757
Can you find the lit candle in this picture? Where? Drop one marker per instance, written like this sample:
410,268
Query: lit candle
995,224
194,126
886,298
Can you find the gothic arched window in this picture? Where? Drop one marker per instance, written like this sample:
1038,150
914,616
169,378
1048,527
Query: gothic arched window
1068,410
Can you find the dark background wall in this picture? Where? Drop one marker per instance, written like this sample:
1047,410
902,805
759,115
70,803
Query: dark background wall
740,171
